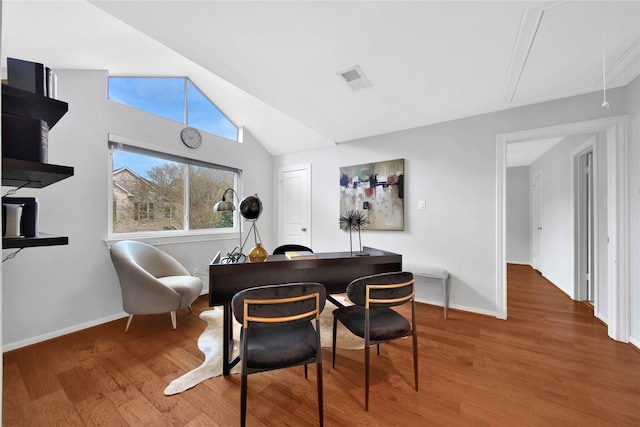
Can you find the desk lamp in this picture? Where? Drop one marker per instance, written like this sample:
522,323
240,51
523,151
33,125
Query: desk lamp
224,205
250,209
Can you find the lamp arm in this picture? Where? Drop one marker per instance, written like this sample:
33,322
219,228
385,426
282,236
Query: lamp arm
233,192
237,199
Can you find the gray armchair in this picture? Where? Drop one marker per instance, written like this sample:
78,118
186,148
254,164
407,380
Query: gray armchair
152,281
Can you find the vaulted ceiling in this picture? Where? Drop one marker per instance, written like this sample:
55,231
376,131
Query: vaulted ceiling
275,67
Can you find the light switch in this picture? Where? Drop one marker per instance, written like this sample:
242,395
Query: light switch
422,205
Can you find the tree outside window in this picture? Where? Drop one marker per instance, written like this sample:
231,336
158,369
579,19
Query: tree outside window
149,194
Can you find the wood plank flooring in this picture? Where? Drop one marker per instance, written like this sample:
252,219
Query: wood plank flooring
550,364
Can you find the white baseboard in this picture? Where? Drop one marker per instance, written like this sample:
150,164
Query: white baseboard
60,332
634,342
519,263
458,307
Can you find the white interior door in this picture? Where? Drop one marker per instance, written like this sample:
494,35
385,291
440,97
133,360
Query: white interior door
537,221
295,205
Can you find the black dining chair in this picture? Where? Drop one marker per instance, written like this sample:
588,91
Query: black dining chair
290,247
372,318
280,329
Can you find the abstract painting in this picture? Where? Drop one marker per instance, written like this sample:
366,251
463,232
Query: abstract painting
377,189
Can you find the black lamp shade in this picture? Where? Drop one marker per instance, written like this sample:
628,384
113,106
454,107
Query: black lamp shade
250,208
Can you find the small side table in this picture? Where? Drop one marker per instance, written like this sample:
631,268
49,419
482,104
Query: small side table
438,274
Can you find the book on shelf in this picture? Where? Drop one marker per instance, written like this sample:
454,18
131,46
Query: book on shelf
25,138
33,77
27,75
293,255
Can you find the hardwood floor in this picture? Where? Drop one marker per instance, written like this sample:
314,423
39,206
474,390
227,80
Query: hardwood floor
550,364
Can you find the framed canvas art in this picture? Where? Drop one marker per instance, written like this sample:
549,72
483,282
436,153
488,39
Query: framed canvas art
377,189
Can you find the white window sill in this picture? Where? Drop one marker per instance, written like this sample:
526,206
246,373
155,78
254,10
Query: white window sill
165,238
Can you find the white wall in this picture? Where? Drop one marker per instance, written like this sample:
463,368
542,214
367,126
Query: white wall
633,100
518,206
452,166
53,290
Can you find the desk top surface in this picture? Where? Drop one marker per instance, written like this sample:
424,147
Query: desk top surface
333,269
372,256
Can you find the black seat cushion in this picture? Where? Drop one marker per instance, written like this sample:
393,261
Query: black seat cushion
384,323
280,347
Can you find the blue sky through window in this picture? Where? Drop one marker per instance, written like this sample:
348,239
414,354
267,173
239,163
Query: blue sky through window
165,97
138,163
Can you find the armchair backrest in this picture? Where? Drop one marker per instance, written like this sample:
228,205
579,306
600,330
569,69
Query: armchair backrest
132,255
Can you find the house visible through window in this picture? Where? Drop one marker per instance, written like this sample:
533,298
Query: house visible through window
148,191
175,98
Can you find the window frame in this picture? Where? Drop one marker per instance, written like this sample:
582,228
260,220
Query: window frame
167,236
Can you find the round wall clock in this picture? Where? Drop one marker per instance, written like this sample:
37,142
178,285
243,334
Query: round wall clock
191,137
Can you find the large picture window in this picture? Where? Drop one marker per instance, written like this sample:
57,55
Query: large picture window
156,192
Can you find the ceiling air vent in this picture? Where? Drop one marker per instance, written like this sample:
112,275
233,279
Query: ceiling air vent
355,78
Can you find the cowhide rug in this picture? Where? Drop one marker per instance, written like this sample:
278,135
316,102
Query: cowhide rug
210,343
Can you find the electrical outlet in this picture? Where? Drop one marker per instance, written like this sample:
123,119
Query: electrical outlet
196,271
422,205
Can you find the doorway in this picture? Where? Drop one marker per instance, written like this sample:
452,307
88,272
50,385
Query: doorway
585,226
295,205
537,210
614,130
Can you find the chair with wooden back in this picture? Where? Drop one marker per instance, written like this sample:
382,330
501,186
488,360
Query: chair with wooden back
372,317
280,329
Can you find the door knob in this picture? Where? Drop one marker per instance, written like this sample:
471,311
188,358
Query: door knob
304,228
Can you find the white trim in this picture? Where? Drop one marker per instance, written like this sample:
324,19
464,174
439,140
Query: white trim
618,218
501,226
438,303
179,237
64,331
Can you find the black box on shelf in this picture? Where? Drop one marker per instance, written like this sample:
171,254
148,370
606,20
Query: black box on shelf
24,138
29,215
27,75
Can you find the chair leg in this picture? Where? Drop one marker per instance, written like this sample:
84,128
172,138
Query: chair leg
335,329
320,401
305,372
190,309
243,399
414,333
378,349
173,319
415,358
366,377
126,329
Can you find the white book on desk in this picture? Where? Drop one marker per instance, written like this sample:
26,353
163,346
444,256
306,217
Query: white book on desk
295,255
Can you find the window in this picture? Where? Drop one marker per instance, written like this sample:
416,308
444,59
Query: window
154,192
175,98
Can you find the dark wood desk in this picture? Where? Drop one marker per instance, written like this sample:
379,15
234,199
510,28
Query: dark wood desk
335,270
